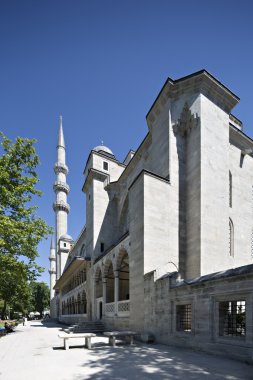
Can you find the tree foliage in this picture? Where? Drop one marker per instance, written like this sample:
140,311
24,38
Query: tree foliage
40,296
20,229
14,286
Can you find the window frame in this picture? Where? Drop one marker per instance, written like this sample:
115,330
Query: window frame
106,163
186,301
233,340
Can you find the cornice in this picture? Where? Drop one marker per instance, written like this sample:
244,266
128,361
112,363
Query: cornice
151,174
101,154
240,140
95,174
73,266
199,82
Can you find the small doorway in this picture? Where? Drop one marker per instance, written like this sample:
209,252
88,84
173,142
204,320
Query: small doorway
100,309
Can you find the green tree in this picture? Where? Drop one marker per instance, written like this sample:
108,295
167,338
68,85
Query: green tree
20,228
14,285
40,296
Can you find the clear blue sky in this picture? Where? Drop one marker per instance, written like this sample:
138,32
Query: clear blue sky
101,64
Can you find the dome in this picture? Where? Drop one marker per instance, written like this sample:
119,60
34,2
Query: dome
66,237
103,148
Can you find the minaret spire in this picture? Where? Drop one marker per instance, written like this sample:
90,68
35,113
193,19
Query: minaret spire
52,270
61,136
61,189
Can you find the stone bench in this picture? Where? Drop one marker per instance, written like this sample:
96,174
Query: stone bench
127,335
69,329
67,336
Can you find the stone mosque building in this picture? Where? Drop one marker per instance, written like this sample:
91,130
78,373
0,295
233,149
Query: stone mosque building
167,248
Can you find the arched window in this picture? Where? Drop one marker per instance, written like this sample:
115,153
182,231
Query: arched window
230,188
231,238
123,269
98,284
110,284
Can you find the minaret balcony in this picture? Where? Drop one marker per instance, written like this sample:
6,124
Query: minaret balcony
61,186
51,271
60,167
62,206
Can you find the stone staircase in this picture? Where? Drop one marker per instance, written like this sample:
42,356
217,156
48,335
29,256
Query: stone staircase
89,327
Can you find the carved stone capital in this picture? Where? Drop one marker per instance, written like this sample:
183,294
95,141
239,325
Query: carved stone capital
186,122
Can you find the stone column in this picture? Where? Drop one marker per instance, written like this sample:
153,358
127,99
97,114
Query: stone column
104,294
116,291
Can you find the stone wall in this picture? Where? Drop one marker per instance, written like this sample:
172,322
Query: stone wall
73,319
205,295
116,323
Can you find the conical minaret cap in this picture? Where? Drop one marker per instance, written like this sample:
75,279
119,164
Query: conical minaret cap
60,136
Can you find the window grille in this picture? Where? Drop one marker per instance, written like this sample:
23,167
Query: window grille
184,317
232,318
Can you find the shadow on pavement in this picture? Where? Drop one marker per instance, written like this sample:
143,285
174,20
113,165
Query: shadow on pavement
142,362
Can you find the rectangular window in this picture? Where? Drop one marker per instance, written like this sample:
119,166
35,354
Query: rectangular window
232,318
184,317
102,247
105,166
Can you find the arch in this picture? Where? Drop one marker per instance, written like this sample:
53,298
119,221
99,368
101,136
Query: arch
107,264
98,283
123,269
231,238
109,275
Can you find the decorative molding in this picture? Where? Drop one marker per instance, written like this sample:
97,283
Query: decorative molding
60,205
186,122
61,186
60,167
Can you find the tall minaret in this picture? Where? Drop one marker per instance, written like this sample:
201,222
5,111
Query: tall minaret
52,270
61,189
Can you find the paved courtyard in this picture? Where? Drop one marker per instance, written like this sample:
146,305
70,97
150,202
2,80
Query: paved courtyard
34,352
